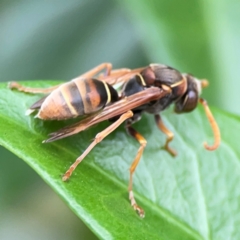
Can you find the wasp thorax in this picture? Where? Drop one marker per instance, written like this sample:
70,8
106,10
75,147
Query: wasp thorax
165,74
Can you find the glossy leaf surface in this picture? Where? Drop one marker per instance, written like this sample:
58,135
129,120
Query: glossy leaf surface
192,196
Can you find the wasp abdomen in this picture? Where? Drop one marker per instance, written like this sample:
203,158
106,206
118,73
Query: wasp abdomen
76,98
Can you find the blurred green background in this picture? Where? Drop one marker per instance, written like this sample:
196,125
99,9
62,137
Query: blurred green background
61,39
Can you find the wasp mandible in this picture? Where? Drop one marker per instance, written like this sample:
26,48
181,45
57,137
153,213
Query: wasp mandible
148,89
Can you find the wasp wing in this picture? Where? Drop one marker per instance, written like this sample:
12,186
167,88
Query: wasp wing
38,103
111,111
36,106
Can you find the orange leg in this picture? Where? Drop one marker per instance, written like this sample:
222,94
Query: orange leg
99,137
214,125
114,73
19,87
115,76
132,169
89,74
168,133
120,75
110,76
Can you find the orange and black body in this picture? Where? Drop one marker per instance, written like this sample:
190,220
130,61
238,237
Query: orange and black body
92,95
86,96
76,98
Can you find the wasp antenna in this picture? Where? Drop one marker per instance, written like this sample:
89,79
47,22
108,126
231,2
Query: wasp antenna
214,125
204,83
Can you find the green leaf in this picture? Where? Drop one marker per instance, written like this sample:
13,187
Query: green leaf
192,196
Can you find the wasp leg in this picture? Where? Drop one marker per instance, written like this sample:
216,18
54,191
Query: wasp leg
99,137
214,125
167,132
115,76
89,74
115,73
110,76
19,87
135,162
120,75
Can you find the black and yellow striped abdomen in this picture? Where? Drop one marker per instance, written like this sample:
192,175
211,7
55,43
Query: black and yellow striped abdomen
77,98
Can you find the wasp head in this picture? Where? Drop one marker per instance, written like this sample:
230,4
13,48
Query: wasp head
190,98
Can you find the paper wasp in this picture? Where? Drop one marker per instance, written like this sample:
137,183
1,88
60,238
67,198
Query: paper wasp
92,95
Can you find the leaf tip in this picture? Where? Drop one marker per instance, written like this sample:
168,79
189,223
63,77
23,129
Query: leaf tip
29,111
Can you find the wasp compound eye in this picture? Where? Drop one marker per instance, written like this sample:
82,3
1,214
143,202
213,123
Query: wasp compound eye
187,103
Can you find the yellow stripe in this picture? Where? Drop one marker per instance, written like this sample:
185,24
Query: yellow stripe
178,83
108,92
142,80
